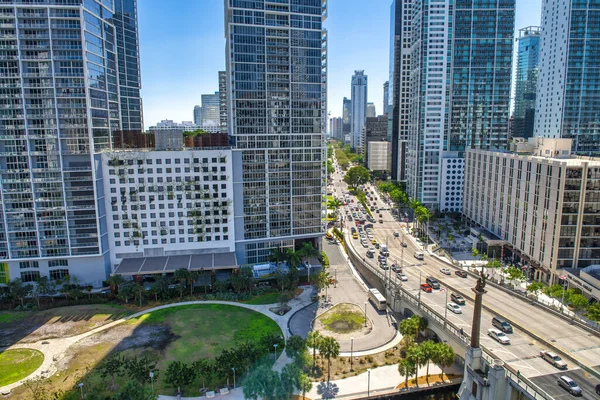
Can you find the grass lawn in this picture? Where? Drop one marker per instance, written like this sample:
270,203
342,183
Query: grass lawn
7,317
17,364
267,298
343,319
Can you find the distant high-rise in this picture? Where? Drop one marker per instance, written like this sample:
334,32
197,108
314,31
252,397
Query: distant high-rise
399,81
526,82
386,96
359,108
276,61
371,110
197,115
211,109
460,86
70,79
346,118
335,128
568,90
223,101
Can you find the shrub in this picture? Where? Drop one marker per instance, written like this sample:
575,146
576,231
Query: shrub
369,358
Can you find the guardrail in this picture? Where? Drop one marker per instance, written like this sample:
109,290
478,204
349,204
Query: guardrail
518,381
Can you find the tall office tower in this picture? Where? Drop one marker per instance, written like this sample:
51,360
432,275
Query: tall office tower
62,100
197,115
568,92
386,96
460,86
276,61
223,101
128,59
335,128
526,82
211,109
346,119
399,81
371,111
359,108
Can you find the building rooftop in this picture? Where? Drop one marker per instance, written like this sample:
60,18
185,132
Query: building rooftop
169,264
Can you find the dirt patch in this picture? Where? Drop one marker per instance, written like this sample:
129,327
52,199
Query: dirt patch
341,367
343,322
423,380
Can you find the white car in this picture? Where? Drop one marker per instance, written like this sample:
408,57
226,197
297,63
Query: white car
553,359
498,336
402,276
455,308
446,271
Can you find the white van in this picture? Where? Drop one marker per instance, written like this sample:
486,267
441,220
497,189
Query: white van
419,255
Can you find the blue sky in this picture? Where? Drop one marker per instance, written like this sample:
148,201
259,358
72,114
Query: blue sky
182,48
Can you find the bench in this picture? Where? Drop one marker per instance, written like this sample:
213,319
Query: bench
224,391
210,395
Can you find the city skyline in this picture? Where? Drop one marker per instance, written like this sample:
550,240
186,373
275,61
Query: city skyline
358,38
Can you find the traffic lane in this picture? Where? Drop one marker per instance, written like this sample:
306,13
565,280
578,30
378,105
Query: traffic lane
587,384
578,343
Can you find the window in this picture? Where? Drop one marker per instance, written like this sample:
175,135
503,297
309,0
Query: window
29,264
30,276
58,263
56,274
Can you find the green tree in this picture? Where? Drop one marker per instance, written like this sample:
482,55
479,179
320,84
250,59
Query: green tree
329,348
334,204
515,274
399,197
323,280
205,369
444,356
243,280
305,385
192,276
126,291
113,367
357,176
42,288
179,374
308,251
407,368
578,302
294,346
415,354
536,288
593,313
261,383
494,265
115,281
277,256
19,290
428,349
409,327
133,390
314,340
139,293
139,368
554,291
181,275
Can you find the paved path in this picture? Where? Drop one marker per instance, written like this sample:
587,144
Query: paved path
55,349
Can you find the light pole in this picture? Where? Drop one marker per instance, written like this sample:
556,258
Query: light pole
335,274
419,287
275,350
151,374
365,314
351,354
369,382
233,369
446,310
80,384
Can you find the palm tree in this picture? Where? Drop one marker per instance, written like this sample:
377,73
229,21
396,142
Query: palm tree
415,354
428,350
305,385
308,251
406,367
314,340
181,275
114,281
334,204
191,279
444,356
277,256
328,348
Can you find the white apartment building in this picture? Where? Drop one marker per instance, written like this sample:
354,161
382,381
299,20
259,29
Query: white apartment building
359,109
379,156
163,204
452,183
542,202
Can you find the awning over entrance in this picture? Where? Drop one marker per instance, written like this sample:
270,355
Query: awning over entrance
169,264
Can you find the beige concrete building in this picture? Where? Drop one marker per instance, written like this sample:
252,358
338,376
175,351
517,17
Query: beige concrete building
540,201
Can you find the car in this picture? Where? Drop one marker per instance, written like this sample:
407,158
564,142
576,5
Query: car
380,215
553,359
498,336
458,299
396,234
431,281
383,265
569,385
364,243
404,244
380,221
374,241
461,273
445,271
377,245
369,235
455,308
598,388
402,276
426,288
396,268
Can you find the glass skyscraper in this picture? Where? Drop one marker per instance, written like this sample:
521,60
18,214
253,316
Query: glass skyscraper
60,77
526,84
568,92
461,59
276,72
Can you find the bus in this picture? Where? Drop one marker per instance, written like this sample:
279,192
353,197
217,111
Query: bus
377,299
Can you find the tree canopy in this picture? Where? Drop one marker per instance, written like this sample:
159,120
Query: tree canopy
357,176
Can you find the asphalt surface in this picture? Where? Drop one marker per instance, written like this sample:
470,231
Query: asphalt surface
347,290
523,352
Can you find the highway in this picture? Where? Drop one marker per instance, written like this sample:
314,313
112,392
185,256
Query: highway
523,351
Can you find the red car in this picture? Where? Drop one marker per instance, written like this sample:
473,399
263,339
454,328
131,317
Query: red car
426,288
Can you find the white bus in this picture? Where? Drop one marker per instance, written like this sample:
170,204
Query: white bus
377,299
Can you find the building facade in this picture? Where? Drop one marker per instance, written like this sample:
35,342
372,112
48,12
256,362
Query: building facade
276,71
378,156
346,119
336,128
197,115
568,90
185,126
460,86
376,131
359,108
526,82
452,183
542,202
386,96
371,110
70,77
223,101
211,111
399,84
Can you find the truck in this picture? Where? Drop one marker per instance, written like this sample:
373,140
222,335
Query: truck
384,250
419,255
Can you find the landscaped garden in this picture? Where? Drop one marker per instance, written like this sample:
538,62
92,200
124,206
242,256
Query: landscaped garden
343,318
17,364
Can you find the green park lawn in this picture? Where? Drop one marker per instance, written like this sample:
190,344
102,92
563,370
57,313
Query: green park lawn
267,298
17,364
343,318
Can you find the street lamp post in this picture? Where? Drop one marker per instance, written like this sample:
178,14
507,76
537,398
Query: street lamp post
446,310
80,384
151,374
335,281
275,350
419,287
233,369
369,382
365,314
351,353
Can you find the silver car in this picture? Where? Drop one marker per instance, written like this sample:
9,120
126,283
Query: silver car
569,385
